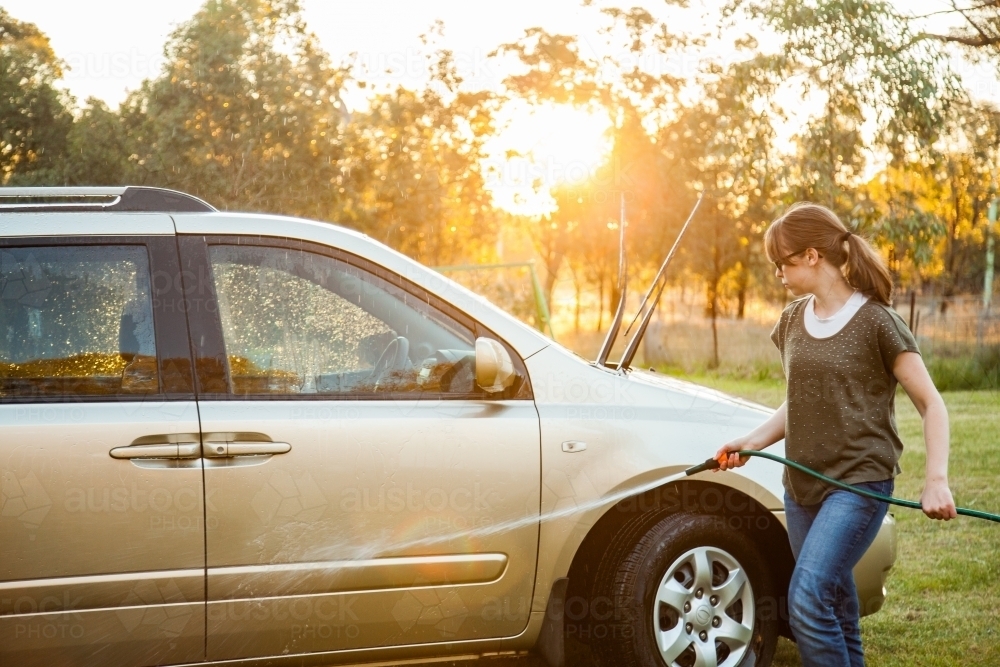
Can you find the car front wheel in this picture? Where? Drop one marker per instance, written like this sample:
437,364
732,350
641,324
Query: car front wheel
690,593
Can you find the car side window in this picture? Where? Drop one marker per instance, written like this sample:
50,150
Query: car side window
76,321
296,322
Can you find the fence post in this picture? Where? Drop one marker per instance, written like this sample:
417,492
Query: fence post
913,303
542,308
988,278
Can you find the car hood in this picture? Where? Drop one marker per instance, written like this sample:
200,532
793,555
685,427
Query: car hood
653,379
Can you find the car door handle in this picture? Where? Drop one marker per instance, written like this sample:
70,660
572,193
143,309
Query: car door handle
227,449
167,450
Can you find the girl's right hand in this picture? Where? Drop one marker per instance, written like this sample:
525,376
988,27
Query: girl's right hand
763,436
727,456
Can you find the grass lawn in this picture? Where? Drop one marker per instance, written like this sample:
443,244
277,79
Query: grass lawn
943,605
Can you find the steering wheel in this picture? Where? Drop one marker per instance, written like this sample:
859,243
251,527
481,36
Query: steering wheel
395,357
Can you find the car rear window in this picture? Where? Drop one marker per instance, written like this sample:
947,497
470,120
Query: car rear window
76,321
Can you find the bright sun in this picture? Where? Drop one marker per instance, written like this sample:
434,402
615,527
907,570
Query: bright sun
540,147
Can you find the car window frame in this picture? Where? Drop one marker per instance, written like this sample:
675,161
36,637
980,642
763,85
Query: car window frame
212,380
170,331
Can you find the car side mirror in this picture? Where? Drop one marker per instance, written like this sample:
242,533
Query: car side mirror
494,369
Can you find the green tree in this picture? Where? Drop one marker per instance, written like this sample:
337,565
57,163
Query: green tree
830,157
977,32
930,215
725,145
245,114
97,151
34,120
906,220
868,62
864,54
414,167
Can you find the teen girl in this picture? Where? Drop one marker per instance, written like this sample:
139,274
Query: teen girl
843,349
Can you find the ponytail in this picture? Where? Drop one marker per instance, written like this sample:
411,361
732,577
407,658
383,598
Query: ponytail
807,225
866,272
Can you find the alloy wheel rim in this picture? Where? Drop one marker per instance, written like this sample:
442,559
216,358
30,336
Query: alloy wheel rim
703,611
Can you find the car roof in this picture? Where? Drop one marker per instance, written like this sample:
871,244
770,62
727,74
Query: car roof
84,224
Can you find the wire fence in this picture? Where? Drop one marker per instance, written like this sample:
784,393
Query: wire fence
952,326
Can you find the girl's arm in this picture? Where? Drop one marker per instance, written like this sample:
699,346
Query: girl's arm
936,499
763,436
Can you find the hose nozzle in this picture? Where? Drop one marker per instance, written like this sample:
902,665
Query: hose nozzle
709,464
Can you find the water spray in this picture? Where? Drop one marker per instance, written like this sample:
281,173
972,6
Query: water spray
709,464
370,551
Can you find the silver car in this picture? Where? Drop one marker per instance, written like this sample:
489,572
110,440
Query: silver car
249,439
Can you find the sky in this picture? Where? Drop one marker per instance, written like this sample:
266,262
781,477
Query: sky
111,46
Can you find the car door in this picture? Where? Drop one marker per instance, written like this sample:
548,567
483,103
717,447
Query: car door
362,490
101,513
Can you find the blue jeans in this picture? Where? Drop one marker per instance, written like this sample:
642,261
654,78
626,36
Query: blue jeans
828,540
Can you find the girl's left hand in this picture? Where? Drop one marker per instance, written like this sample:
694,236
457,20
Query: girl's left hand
937,502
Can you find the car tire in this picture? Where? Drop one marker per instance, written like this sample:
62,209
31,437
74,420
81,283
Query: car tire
591,614
687,593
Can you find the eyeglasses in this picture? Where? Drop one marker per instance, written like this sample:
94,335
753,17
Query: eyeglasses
781,261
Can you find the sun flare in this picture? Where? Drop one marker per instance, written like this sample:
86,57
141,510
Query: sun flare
540,147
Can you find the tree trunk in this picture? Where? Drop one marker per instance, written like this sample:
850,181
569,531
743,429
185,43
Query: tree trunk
715,335
713,312
741,294
714,294
614,295
600,303
551,272
576,306
744,283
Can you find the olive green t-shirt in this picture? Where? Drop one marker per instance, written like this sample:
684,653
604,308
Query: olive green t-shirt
840,398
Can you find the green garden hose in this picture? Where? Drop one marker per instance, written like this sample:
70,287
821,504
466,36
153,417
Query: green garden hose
712,464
